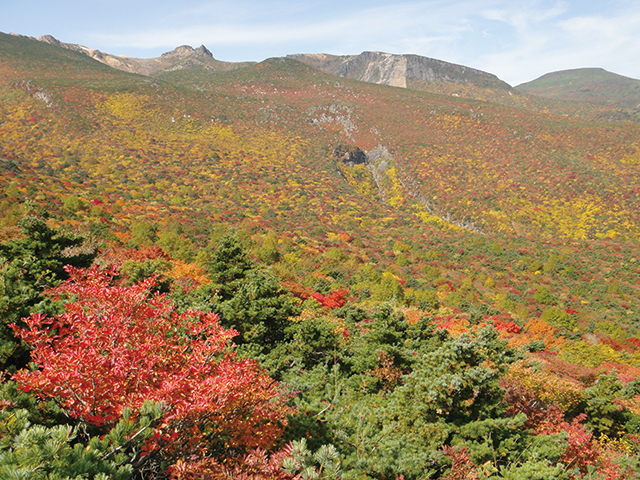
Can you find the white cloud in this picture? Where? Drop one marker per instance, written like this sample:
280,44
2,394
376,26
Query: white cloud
517,41
560,38
416,26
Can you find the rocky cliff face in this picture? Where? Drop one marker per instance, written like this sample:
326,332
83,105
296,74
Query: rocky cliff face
400,70
375,67
177,59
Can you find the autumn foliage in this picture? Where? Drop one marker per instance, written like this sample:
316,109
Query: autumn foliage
469,217
117,347
255,465
335,299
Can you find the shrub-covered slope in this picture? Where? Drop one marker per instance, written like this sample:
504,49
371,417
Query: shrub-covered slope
587,84
368,221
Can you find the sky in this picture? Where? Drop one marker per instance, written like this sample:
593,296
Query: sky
518,41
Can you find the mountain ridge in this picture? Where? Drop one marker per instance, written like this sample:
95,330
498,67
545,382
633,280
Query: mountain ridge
182,57
408,71
399,70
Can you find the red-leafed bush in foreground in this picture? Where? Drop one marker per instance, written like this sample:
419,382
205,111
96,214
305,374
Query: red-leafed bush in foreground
117,347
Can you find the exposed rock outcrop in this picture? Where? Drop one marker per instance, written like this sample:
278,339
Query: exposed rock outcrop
399,70
180,58
349,155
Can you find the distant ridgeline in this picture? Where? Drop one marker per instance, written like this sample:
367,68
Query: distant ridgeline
374,266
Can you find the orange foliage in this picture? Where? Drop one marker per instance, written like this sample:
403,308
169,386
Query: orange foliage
453,324
181,270
411,314
537,329
298,290
255,465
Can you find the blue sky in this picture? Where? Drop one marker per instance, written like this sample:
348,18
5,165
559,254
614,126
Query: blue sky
516,40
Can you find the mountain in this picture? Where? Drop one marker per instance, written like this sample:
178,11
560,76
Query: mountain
414,72
417,233
465,162
406,71
183,57
283,147
436,76
594,85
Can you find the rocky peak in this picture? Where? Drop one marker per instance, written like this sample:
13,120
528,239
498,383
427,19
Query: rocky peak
183,57
202,50
185,51
49,39
179,52
401,70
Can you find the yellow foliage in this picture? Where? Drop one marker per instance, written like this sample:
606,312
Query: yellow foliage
180,269
617,445
595,355
548,387
125,106
430,219
579,218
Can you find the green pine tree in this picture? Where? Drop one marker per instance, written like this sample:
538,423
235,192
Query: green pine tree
28,266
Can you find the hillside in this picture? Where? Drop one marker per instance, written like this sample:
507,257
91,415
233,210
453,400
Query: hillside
594,85
406,71
434,140
411,71
436,76
395,242
520,161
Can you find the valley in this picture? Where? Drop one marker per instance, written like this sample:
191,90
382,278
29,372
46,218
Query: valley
443,271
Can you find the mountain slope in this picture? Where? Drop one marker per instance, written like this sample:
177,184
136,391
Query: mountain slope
505,212
413,72
266,145
436,76
416,212
455,161
587,85
37,56
407,71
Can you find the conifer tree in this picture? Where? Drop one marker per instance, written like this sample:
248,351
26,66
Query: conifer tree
228,266
28,266
247,298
